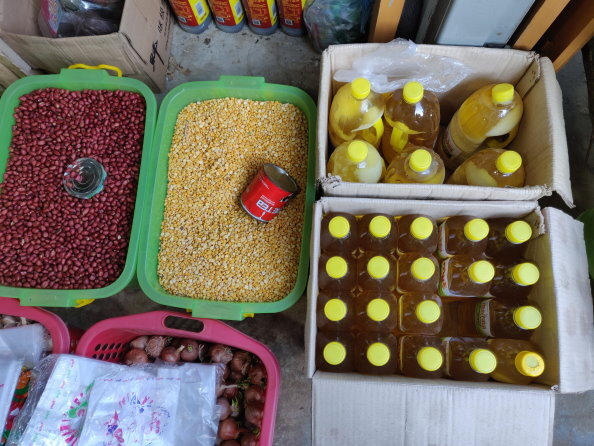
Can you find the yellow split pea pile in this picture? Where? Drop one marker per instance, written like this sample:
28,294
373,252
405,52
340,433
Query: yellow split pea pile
210,248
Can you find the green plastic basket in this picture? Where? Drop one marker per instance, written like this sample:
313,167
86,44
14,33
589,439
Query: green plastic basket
70,79
227,86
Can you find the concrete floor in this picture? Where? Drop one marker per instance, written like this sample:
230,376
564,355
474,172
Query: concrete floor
287,60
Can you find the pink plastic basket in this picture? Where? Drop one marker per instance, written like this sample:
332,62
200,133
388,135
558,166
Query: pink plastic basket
107,340
52,323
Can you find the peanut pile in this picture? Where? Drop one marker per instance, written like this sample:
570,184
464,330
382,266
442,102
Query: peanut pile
210,247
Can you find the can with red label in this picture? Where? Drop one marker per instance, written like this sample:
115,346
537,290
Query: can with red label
291,17
261,15
228,15
268,193
193,16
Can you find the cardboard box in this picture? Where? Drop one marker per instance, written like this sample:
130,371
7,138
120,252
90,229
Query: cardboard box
541,138
12,66
140,48
395,410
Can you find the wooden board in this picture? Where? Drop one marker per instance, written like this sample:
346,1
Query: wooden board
537,22
385,19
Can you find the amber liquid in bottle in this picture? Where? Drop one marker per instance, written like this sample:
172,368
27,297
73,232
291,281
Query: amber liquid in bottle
407,242
344,245
407,282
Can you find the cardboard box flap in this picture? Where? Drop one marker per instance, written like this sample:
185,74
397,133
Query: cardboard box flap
574,312
410,412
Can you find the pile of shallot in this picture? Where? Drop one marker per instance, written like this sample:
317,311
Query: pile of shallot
241,395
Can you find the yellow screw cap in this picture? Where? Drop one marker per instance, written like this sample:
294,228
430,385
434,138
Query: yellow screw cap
518,232
529,363
476,229
421,228
360,88
527,317
378,267
481,271
378,310
336,267
428,311
525,273
508,162
422,268
502,93
378,354
380,226
335,310
413,92
357,151
482,360
430,359
334,353
420,160
339,227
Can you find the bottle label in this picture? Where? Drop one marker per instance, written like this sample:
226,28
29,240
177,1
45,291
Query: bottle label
261,13
291,12
444,286
442,252
449,148
448,356
482,317
190,12
227,12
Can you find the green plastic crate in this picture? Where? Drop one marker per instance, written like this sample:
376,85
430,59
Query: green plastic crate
79,80
227,86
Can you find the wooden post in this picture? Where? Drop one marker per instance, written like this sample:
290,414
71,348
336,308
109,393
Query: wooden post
537,22
384,20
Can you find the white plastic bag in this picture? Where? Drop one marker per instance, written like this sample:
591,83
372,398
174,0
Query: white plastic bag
10,370
27,342
395,63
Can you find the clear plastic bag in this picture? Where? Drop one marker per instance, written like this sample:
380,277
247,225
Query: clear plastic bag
27,342
10,370
332,22
395,63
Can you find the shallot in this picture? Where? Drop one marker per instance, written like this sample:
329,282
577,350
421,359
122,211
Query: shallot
257,374
241,362
155,346
248,439
254,411
254,393
224,408
220,353
191,350
228,429
139,342
171,354
136,356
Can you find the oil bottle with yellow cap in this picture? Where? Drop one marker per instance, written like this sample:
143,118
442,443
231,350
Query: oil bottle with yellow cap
463,276
514,280
492,318
416,233
377,233
416,164
356,113
337,273
376,272
492,111
419,313
376,353
421,356
462,234
357,161
508,238
417,273
518,361
335,311
335,351
468,359
412,116
491,168
339,234
376,312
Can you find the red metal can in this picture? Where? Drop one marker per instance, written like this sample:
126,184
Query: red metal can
268,193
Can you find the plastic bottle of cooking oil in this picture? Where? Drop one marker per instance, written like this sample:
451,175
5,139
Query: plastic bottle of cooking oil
462,234
508,238
419,314
468,359
413,116
376,353
385,147
462,276
416,233
494,319
518,361
491,168
376,312
335,351
491,111
335,311
376,272
357,162
421,356
377,233
339,234
355,108
417,273
513,280
337,273
416,165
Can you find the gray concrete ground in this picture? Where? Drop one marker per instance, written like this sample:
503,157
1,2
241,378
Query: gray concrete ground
287,60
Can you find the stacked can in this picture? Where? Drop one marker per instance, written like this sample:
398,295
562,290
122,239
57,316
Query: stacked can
291,17
229,15
192,15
